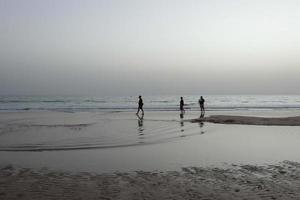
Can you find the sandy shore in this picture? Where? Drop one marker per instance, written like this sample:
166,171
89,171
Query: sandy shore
281,181
155,162
249,120
105,142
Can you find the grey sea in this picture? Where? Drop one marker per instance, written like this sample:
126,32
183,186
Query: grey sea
153,103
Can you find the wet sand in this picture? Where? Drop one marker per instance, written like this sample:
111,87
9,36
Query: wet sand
250,120
281,181
105,142
116,155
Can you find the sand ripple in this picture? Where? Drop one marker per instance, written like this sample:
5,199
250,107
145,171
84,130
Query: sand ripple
280,181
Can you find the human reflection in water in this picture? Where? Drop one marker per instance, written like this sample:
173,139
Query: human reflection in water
201,124
140,124
202,114
181,115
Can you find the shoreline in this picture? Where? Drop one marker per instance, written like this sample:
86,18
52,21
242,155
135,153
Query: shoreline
250,120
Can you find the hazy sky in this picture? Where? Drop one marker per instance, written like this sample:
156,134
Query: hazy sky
118,47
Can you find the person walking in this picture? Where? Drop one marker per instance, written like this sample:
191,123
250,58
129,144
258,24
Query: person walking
181,103
140,105
201,103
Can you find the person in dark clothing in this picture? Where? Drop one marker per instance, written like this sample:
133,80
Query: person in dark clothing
140,105
181,104
201,103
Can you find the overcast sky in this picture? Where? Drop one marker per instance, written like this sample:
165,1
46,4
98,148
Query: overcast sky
118,47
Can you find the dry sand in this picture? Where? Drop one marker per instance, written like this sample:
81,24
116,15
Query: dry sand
281,181
267,121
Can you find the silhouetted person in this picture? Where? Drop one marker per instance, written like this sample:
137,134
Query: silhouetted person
181,104
201,103
140,105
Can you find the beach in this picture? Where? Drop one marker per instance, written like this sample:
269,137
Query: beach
149,100
279,181
118,155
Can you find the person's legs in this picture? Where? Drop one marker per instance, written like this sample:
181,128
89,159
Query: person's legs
202,114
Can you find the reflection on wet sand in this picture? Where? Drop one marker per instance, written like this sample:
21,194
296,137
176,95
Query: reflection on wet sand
140,126
201,124
202,114
181,115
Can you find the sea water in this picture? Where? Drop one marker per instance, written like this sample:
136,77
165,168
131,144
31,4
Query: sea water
153,103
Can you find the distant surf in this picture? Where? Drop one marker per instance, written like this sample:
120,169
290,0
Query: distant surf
152,103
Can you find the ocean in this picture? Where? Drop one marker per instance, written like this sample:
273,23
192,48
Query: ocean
152,103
